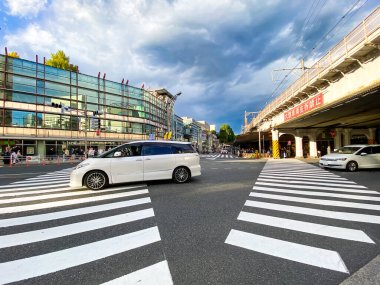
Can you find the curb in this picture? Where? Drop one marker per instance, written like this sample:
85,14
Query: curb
367,275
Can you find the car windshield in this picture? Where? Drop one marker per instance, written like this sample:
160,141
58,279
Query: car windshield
347,149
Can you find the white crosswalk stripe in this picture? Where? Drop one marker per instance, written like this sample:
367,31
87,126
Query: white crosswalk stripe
293,181
55,211
218,156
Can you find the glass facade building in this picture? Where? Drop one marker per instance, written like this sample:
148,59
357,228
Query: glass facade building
44,108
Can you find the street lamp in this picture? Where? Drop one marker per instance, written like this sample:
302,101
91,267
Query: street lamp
168,109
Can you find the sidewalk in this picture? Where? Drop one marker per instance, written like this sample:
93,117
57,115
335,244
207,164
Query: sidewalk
367,275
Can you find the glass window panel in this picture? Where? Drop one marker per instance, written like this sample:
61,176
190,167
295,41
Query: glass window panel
56,121
23,88
17,118
57,90
20,97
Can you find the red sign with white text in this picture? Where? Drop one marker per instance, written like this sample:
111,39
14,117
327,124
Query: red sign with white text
310,104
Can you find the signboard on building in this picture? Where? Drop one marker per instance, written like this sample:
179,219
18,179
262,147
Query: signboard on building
308,105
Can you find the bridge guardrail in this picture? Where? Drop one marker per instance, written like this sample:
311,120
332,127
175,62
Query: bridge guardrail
360,35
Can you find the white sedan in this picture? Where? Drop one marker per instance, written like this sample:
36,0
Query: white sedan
353,157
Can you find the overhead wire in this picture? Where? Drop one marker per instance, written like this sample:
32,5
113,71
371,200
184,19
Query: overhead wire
333,28
306,21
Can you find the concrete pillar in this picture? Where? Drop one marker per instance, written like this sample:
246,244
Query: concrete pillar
347,137
338,138
372,136
275,144
41,149
299,146
313,146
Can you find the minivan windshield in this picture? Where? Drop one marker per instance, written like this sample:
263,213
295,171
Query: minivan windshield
347,149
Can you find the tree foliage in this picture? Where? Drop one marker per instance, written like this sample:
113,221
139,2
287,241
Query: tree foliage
226,134
60,60
13,54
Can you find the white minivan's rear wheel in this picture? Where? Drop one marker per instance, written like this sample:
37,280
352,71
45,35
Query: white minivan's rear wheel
352,166
96,180
181,174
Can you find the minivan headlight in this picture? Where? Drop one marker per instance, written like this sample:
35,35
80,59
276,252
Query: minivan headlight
80,165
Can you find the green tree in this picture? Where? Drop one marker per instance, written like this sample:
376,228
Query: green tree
226,134
13,54
60,60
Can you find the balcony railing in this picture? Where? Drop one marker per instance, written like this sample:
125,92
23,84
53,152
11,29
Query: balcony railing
362,34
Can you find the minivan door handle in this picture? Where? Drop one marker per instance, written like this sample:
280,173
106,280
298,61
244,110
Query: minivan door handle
139,159
147,159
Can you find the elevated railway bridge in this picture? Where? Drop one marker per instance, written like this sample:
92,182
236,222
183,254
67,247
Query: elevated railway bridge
334,103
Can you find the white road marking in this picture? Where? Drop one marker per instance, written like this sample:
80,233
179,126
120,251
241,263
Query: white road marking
38,179
310,183
311,228
313,193
71,213
21,193
158,274
72,229
34,266
314,256
345,216
310,174
298,178
329,177
24,183
318,188
31,187
16,209
72,193
317,201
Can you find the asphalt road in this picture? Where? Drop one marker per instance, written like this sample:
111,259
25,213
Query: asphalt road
194,227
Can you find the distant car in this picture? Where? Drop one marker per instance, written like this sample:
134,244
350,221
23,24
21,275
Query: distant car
353,157
138,161
224,151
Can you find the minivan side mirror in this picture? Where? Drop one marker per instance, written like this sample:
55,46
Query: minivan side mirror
117,154
363,154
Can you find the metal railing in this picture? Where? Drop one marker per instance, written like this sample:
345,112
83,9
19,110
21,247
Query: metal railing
357,38
26,160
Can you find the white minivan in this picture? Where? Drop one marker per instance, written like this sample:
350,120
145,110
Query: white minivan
138,161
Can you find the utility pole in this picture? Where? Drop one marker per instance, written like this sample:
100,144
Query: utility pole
85,126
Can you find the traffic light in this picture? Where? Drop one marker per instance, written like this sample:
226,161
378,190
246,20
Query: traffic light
56,105
95,113
99,124
93,123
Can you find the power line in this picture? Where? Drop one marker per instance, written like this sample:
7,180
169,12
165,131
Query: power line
333,28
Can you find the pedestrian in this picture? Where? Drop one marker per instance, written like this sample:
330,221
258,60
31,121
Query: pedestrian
7,156
18,155
14,155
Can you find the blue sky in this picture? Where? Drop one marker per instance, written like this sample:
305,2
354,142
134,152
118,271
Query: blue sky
221,54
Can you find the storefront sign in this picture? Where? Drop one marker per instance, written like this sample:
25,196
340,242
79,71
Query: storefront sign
310,104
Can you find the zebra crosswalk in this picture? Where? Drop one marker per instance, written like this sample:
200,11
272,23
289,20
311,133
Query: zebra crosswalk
68,228
286,195
218,156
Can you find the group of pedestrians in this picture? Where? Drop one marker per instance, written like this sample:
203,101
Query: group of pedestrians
12,155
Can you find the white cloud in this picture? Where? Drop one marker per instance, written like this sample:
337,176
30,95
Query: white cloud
25,8
217,53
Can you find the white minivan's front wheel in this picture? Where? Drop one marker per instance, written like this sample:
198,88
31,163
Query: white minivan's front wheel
96,180
181,174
